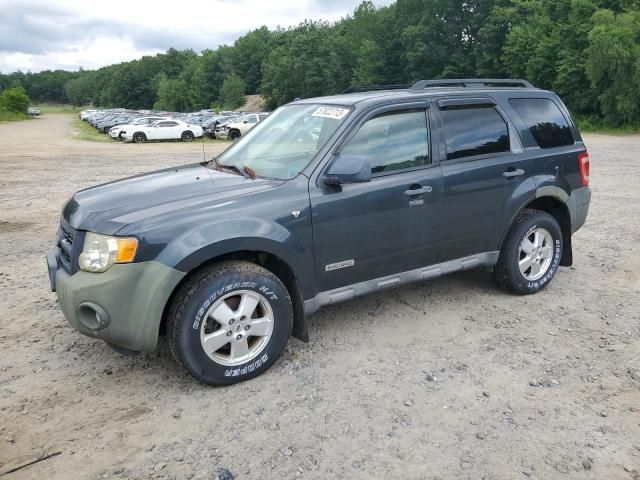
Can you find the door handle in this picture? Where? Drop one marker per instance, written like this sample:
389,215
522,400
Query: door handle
414,192
513,172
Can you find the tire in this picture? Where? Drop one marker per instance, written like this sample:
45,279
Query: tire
234,135
139,137
234,355
524,273
187,136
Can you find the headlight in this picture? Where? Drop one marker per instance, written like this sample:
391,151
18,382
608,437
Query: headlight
100,252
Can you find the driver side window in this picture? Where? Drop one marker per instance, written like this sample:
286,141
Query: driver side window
392,141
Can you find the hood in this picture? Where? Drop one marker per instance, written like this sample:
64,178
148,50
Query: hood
109,207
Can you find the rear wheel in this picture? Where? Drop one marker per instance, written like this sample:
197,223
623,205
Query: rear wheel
139,137
230,322
187,136
530,254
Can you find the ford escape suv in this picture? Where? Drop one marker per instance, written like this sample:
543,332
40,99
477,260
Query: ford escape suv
325,200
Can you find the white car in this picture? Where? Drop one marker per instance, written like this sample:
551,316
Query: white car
115,132
163,130
84,114
236,129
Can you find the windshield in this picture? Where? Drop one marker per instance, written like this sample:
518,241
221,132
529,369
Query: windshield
284,143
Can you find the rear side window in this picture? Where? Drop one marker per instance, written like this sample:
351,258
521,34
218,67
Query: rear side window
544,120
473,131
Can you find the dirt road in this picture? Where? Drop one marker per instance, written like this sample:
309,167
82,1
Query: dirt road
447,379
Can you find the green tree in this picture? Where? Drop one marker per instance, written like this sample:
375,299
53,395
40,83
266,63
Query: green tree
232,92
14,100
248,54
613,65
173,95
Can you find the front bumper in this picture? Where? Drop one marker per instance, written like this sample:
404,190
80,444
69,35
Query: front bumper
122,306
578,204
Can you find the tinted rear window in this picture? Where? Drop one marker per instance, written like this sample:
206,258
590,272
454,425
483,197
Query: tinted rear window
544,120
474,131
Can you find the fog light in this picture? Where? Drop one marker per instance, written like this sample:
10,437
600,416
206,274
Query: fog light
93,316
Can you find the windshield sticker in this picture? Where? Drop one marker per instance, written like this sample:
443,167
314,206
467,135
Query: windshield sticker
331,112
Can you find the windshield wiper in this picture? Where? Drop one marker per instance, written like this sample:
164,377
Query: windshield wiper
222,167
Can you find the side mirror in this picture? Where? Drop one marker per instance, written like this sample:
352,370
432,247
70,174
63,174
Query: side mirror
348,169
246,121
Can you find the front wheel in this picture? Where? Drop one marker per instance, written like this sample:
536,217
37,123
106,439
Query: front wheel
187,136
234,135
230,322
530,254
139,137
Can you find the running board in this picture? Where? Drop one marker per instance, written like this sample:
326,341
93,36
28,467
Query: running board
342,294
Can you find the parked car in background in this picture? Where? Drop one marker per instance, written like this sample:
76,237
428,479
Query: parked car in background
34,112
84,114
163,130
116,131
241,126
213,123
114,121
106,125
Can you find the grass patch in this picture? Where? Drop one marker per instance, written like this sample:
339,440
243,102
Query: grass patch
594,125
13,116
56,109
206,139
83,131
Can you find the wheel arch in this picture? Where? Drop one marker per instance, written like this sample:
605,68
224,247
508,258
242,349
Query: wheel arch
272,262
555,205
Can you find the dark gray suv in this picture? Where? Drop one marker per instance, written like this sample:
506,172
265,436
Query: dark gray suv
327,199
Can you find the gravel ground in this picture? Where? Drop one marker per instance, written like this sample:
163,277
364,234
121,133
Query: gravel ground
445,379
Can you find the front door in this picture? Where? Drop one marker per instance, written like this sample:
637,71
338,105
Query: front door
165,130
363,231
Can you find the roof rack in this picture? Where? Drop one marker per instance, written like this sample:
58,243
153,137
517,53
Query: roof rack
469,83
375,87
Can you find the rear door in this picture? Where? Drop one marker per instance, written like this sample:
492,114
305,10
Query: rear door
487,175
389,225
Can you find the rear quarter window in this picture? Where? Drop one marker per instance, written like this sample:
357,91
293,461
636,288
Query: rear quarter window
544,120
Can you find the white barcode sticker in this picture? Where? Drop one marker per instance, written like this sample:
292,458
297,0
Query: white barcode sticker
331,112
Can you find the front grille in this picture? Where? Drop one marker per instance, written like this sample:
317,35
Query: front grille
69,242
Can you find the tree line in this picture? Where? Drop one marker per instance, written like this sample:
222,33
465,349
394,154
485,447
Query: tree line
588,51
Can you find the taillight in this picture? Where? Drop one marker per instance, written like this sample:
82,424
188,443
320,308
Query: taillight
583,164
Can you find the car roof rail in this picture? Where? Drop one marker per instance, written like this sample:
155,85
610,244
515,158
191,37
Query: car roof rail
375,87
470,83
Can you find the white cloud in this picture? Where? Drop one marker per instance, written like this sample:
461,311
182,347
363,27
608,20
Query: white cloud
35,35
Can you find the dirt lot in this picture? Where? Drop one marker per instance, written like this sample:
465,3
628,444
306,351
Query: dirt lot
447,379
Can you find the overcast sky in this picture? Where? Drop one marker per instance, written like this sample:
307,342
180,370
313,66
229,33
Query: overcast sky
39,35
